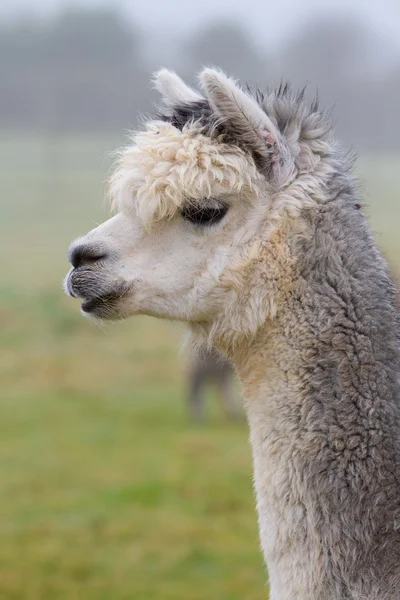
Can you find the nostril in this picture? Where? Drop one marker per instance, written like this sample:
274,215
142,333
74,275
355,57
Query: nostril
84,253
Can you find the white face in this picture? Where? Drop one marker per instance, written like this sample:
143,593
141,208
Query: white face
184,204
188,238
173,271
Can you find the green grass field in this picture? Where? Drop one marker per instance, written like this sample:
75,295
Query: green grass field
107,491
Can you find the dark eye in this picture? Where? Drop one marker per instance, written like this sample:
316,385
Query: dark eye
204,214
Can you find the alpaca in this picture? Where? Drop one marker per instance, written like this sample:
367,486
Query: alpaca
211,367
237,213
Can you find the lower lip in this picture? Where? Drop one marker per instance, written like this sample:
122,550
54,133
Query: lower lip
100,303
89,305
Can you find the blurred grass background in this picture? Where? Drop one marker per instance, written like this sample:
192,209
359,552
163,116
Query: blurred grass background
108,492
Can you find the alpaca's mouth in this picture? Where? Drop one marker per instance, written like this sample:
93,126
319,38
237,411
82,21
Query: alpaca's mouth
100,303
106,306
99,298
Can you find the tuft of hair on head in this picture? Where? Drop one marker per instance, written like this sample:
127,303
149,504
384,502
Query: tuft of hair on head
248,122
173,90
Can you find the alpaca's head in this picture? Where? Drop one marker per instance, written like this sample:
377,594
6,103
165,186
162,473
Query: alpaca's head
200,197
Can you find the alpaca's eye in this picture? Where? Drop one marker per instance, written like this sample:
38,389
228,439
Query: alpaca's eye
207,214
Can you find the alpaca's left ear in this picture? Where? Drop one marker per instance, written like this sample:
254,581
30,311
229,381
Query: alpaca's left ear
245,117
173,89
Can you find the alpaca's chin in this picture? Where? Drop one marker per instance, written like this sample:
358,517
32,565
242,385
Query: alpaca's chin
104,308
100,315
111,306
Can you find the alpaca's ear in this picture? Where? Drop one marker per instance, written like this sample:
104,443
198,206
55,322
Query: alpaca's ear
246,118
173,89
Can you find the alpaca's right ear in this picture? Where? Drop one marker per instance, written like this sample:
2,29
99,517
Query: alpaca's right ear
173,89
247,120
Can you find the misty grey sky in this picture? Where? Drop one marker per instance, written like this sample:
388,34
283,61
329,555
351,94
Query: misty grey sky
269,21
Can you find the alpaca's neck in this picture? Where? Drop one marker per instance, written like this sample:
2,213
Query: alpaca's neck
323,447
273,413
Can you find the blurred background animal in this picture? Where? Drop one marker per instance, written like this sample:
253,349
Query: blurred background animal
209,367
